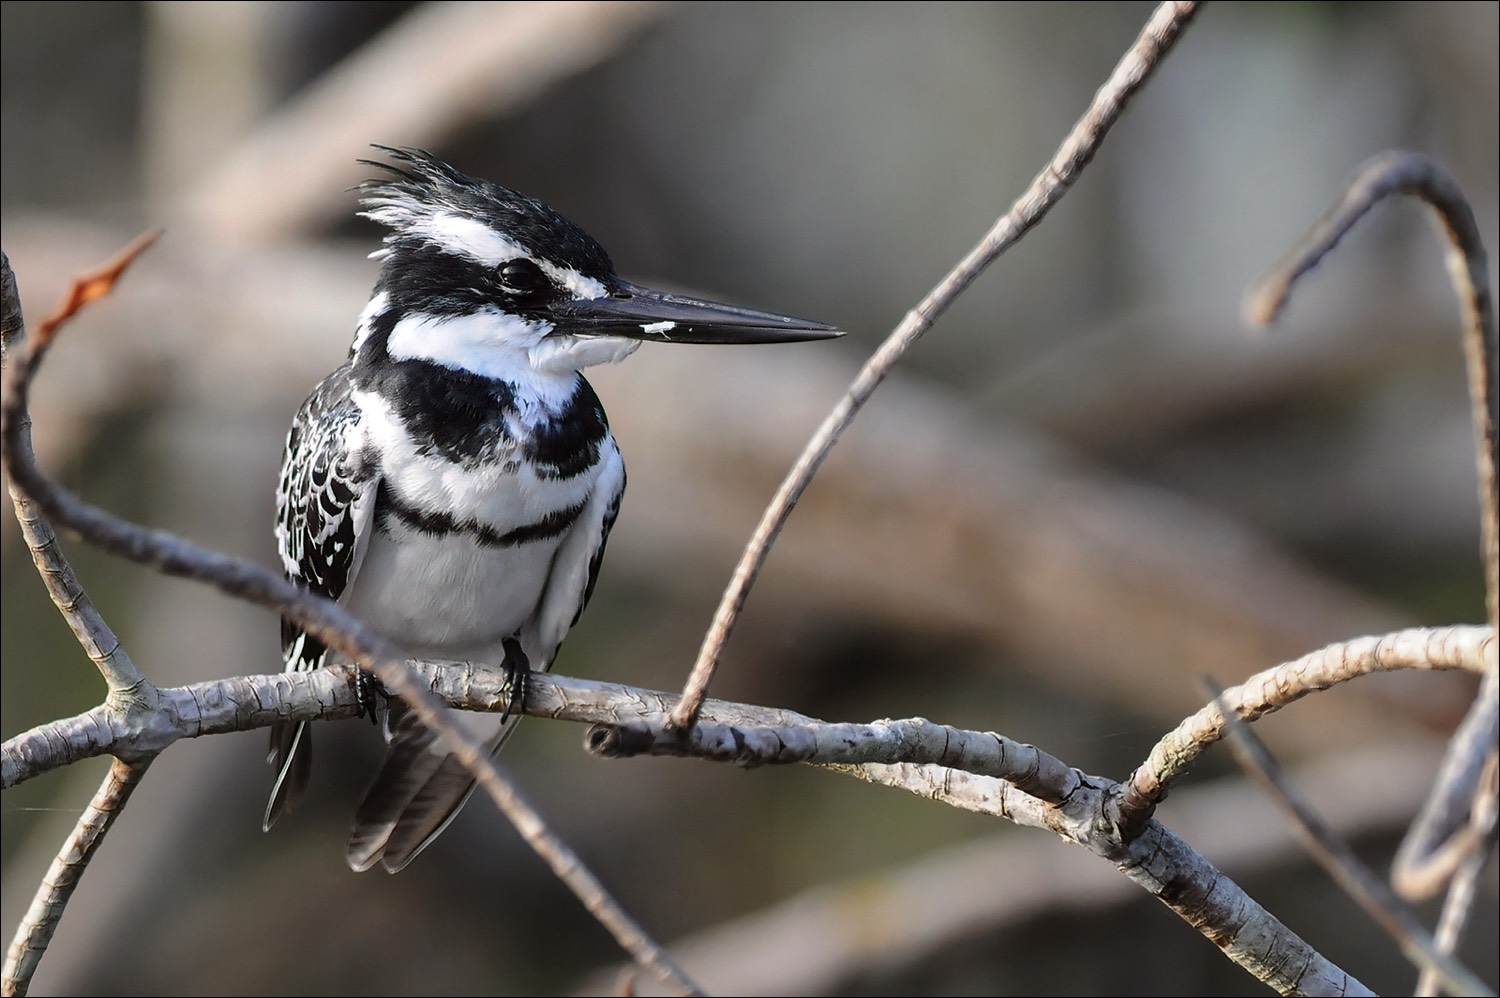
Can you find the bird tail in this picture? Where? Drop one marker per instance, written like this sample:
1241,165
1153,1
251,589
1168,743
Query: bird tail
291,757
420,788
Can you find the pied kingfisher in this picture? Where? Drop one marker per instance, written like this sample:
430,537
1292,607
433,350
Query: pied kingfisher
454,482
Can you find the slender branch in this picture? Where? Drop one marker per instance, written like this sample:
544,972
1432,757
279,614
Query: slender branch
1335,856
1439,840
1049,186
323,618
128,689
34,933
1399,172
244,703
916,741
1457,647
1455,916
121,676
1453,822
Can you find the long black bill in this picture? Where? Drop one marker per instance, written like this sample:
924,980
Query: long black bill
638,313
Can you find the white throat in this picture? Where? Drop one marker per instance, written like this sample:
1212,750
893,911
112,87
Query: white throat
505,347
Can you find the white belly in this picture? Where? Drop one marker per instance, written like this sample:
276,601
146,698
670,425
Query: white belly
450,597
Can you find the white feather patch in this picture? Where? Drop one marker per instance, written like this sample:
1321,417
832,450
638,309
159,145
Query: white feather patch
463,236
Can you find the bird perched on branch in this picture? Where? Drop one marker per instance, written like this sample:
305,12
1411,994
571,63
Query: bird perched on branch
454,482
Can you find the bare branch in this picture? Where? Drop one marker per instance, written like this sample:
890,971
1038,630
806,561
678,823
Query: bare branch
1409,173
1454,823
916,741
1049,186
34,933
121,676
1439,841
1456,907
322,618
822,952
1457,647
1335,856
1157,860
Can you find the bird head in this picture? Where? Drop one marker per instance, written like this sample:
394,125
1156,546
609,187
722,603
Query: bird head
479,277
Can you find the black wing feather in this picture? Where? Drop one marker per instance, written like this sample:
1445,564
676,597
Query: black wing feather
320,523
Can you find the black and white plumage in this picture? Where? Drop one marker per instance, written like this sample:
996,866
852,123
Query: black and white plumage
454,483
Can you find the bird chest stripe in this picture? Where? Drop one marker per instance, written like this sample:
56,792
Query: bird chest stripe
440,523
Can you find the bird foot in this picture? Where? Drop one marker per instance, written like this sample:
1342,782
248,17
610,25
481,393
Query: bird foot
517,672
367,691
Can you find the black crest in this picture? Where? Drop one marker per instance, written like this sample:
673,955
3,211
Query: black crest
421,188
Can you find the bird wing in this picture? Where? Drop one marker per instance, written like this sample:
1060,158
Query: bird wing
325,500
421,787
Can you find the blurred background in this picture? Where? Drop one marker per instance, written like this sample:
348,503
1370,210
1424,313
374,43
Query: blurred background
1086,489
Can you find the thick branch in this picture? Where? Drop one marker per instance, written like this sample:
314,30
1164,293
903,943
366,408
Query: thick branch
1157,860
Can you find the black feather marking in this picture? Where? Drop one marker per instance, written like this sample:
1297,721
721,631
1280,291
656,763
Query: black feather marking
468,418
610,516
321,478
440,522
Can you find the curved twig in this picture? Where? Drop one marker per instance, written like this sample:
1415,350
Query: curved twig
1398,172
916,741
1452,826
1443,835
1153,43
1458,647
99,642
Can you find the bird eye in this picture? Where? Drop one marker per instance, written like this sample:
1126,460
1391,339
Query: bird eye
523,279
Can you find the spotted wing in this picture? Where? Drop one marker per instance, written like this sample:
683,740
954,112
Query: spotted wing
324,504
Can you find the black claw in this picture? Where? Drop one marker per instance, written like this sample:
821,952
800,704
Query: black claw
517,670
367,690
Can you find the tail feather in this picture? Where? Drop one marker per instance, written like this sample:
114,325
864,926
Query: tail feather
291,754
420,789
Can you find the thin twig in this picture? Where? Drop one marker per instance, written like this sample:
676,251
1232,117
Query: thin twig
1155,40
1458,647
1452,824
34,933
1439,839
124,680
823,953
1455,916
1397,172
128,688
322,618
1335,856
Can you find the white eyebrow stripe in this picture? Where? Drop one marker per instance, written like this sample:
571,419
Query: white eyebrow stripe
467,237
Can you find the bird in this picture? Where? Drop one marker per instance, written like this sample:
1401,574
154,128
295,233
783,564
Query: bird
454,482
